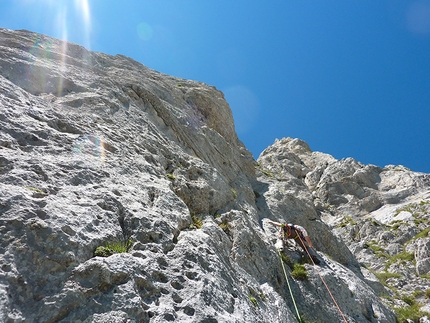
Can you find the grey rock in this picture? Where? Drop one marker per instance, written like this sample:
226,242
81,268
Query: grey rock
101,151
424,319
377,212
422,256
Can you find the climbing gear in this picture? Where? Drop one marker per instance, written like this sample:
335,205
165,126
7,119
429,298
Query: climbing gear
326,286
292,231
288,230
289,287
296,234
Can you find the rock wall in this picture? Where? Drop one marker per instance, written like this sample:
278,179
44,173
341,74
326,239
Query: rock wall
380,214
126,196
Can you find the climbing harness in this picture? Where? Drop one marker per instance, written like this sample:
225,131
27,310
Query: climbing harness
316,268
289,287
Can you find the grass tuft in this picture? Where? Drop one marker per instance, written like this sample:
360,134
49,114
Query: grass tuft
299,272
347,220
409,313
171,177
287,260
197,222
113,247
233,191
384,276
253,300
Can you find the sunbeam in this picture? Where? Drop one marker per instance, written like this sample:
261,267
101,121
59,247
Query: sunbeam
71,23
83,9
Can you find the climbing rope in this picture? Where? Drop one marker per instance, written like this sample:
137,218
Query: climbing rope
316,268
289,287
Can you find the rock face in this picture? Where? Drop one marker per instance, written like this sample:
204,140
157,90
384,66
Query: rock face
380,214
126,196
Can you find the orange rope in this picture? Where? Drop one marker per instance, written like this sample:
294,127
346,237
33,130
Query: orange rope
316,268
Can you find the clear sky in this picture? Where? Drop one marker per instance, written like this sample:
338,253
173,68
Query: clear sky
351,78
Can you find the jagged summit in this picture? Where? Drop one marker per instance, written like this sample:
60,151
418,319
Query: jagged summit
126,196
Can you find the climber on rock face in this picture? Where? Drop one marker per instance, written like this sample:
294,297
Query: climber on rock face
299,234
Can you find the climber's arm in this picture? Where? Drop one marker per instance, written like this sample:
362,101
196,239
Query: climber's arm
275,223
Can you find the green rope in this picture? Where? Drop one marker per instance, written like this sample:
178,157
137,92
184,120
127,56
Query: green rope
289,287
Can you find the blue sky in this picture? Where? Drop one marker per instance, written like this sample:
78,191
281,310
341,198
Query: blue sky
351,78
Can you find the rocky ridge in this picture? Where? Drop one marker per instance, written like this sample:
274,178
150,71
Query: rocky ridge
99,152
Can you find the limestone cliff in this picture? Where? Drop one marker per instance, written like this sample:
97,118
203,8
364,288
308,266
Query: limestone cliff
380,214
126,196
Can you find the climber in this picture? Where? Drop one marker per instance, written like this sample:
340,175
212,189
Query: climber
299,234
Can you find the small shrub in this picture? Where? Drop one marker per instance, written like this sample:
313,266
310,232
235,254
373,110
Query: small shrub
113,247
427,293
224,227
120,246
253,300
233,191
346,221
197,222
375,223
420,221
268,173
396,224
287,260
171,176
378,250
103,252
299,272
37,193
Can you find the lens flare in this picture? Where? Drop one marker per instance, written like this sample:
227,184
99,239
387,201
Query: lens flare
144,31
244,105
90,145
70,20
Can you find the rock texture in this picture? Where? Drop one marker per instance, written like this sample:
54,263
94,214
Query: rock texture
380,214
100,151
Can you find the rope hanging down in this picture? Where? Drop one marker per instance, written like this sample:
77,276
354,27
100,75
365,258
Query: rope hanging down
289,287
316,268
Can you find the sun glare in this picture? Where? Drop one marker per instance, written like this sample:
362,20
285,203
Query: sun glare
71,21
83,9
